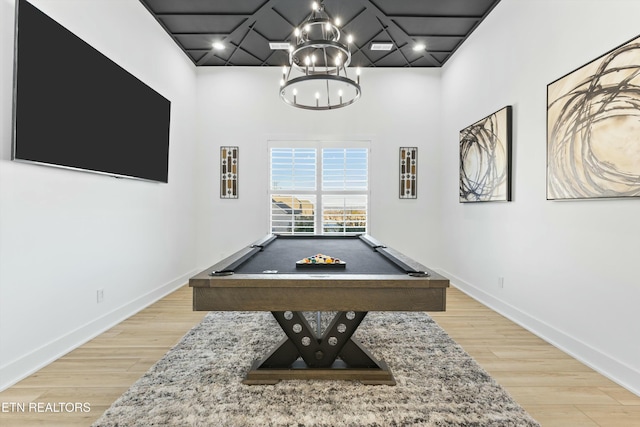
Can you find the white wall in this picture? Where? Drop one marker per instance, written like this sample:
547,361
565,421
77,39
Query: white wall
570,268
65,234
240,106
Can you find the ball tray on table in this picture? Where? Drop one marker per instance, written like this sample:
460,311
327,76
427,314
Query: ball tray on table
320,261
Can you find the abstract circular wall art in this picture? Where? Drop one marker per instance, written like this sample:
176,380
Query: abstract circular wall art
593,128
485,159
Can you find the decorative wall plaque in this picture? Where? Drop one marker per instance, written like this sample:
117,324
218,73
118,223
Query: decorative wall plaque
229,172
408,172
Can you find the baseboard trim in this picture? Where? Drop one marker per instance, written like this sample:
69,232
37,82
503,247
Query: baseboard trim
30,363
600,362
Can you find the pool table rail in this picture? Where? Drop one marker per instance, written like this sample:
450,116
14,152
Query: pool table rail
324,291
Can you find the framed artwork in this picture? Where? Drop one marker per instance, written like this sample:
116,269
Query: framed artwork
408,172
485,159
228,172
593,128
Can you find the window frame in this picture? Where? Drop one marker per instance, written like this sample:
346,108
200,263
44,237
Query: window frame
319,192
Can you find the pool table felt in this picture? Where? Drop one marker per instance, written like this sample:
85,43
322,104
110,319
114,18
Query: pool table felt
282,255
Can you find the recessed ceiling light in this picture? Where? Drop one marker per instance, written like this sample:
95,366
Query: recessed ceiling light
279,45
218,46
381,46
419,46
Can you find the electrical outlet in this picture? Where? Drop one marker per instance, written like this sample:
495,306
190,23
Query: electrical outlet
501,282
99,295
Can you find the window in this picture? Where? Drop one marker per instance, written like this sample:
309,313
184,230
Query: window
319,187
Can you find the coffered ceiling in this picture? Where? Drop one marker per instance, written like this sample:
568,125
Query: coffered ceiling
244,29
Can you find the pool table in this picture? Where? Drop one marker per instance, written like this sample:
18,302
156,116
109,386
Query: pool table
267,276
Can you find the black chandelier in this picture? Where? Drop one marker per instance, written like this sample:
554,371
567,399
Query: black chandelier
316,77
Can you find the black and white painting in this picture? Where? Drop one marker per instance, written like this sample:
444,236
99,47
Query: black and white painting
485,159
593,128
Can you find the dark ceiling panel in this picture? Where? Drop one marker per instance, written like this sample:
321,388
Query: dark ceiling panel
223,55
198,41
439,26
196,55
419,58
274,26
202,24
435,7
375,56
277,58
442,43
359,59
427,60
293,13
254,44
392,59
441,57
212,60
245,58
347,11
246,27
222,7
365,27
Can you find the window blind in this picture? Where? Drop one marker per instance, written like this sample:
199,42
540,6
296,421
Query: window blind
319,190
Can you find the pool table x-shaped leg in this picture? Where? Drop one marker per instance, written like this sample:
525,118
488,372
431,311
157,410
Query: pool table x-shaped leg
333,355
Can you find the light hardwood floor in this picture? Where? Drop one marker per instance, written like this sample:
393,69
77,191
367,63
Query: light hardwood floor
553,387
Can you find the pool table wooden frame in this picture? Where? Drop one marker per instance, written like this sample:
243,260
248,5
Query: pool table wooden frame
287,294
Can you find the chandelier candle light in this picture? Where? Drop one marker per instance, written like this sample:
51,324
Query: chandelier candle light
316,77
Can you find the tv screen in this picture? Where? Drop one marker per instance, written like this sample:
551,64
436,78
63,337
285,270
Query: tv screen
75,108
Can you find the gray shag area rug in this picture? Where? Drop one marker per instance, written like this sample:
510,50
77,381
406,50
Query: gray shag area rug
198,382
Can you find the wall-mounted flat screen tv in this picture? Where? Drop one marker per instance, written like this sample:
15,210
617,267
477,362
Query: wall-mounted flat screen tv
75,108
